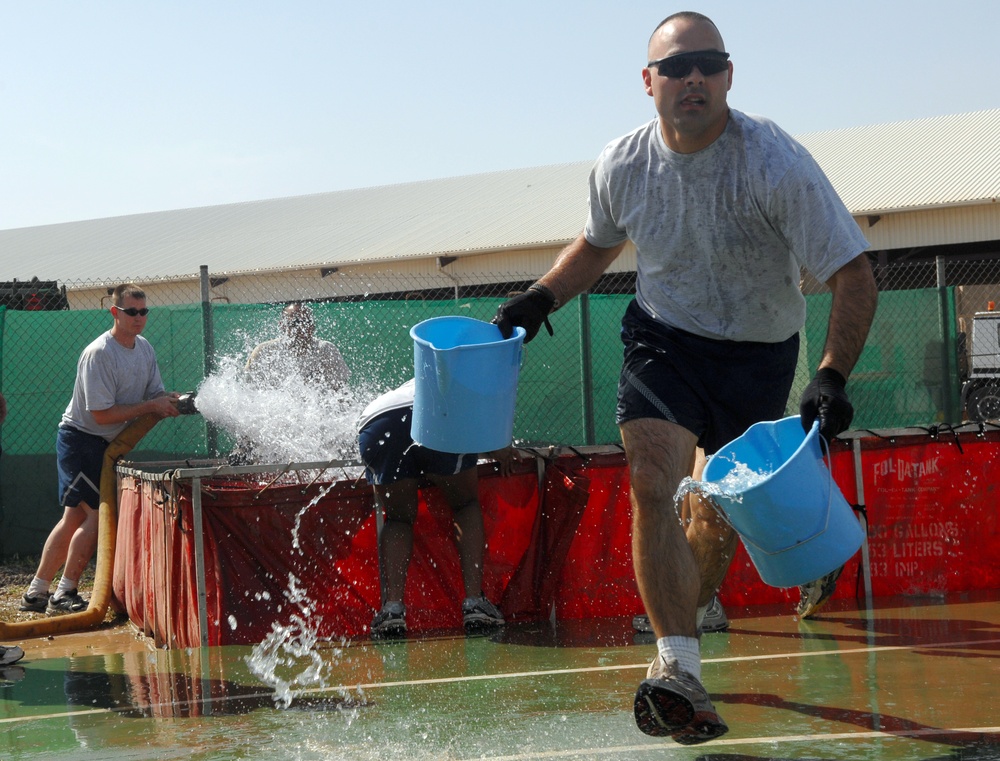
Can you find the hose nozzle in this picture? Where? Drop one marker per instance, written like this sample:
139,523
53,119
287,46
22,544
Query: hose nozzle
185,405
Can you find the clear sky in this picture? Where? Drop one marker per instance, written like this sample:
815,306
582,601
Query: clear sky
128,106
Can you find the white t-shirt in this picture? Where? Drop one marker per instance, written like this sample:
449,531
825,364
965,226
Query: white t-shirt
108,374
396,399
721,234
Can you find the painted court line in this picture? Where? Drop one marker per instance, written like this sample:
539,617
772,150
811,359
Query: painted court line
550,672
592,669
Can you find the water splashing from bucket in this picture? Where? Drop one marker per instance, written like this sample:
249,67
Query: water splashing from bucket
736,481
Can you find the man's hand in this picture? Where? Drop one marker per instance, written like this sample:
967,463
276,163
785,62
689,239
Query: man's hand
528,310
826,399
165,406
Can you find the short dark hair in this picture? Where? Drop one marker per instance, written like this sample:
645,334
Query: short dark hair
687,16
125,290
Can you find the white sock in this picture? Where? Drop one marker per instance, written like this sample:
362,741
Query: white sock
65,585
684,650
38,587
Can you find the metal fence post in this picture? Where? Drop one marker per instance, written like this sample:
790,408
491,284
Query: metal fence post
948,359
208,332
587,370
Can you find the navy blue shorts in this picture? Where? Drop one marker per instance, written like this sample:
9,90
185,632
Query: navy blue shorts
715,389
390,454
79,459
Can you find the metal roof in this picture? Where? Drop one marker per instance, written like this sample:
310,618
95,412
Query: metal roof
934,162
519,208
906,166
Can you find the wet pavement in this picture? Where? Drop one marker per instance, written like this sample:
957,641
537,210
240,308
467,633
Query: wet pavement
913,679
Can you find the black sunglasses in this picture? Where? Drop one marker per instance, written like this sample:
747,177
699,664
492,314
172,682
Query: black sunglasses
133,312
709,62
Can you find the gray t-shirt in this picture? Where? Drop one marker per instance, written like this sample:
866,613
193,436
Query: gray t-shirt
108,374
721,234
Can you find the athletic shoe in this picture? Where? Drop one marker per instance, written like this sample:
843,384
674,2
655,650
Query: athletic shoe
715,619
480,613
10,654
672,702
816,594
69,602
390,621
35,603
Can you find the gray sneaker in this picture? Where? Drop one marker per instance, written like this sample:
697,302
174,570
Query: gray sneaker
69,602
390,621
10,654
479,613
671,702
35,603
715,619
816,594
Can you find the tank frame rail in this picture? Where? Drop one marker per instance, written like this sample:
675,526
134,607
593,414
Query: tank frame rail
197,470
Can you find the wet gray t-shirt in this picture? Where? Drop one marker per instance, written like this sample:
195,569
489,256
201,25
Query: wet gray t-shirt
108,374
721,234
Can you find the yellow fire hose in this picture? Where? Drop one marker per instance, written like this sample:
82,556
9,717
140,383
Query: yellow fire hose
107,536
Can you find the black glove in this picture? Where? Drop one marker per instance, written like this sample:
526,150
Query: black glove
826,399
528,310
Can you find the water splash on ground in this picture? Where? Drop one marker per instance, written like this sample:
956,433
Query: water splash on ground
288,659
283,420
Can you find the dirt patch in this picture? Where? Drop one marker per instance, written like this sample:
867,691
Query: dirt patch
17,572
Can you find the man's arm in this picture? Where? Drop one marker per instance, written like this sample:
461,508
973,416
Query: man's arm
161,406
855,297
577,267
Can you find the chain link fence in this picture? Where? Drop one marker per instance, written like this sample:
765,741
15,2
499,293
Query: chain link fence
911,372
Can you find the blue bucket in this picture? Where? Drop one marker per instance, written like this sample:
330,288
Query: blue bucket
796,525
466,384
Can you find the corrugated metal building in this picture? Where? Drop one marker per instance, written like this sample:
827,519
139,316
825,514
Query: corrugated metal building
917,189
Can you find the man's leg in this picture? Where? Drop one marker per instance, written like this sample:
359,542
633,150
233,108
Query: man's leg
671,700
395,547
660,455
711,539
395,544
461,491
69,546
56,550
83,544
